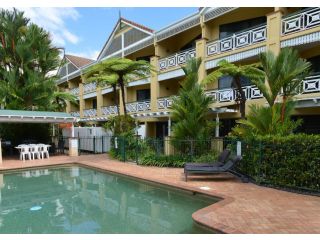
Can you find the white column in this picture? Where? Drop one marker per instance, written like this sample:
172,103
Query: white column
72,131
169,126
217,126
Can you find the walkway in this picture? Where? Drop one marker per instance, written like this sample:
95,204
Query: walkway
244,208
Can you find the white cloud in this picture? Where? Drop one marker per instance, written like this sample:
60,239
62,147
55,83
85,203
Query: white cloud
53,20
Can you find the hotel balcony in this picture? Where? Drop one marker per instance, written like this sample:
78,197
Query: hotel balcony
109,110
75,114
300,21
176,59
89,87
237,40
75,91
139,106
92,112
165,103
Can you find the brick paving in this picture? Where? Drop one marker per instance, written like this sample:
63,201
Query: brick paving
243,208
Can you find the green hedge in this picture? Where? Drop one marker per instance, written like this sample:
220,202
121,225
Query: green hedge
292,161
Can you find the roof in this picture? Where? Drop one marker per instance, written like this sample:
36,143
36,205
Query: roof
121,19
137,25
35,116
78,61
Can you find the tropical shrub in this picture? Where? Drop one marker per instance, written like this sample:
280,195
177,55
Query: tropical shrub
291,161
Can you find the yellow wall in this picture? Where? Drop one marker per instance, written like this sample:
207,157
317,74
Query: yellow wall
132,92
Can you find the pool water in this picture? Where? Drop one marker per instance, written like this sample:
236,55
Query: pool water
81,200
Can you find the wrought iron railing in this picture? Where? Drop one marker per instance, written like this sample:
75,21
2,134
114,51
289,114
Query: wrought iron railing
164,103
109,110
75,91
141,106
301,21
75,114
176,59
90,112
89,87
237,40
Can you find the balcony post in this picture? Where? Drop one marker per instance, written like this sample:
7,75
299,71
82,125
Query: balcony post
154,84
274,31
99,102
201,53
81,100
68,104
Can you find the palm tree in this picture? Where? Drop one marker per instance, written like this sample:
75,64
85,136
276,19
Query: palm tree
190,108
237,73
283,72
264,120
118,72
27,60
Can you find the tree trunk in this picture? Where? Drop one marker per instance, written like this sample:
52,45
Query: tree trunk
114,86
242,99
283,107
123,97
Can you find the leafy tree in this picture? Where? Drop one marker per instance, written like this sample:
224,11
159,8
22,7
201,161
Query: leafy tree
190,108
27,60
283,72
117,72
225,68
265,120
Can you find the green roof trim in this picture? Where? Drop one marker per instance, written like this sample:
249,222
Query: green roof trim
40,116
33,113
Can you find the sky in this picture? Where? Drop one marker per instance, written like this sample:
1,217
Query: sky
84,31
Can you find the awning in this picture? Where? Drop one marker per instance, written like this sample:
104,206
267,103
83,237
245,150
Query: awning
17,116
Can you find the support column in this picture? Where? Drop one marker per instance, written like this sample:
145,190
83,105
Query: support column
154,84
169,127
274,31
81,100
99,102
68,107
0,151
201,53
217,126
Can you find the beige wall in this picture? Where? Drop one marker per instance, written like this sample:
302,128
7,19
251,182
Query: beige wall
132,92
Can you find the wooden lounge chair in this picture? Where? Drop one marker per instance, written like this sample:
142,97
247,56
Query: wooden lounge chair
198,170
223,157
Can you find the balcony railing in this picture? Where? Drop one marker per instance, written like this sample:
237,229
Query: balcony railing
138,106
75,114
238,40
164,103
301,21
89,87
75,91
109,110
311,84
90,112
176,59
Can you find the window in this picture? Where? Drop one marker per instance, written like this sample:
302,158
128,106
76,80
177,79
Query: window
226,30
226,82
143,95
94,103
315,64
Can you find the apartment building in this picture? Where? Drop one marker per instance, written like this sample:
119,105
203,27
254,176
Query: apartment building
235,34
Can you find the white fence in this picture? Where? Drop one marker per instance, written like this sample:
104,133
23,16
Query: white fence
91,139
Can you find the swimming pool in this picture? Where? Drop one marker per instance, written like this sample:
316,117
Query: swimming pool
81,200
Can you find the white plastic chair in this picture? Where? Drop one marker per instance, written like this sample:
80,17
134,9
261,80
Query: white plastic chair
44,151
35,151
25,151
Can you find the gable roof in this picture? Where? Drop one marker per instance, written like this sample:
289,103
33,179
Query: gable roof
78,61
128,22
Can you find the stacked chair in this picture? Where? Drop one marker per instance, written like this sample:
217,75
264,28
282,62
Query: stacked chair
33,151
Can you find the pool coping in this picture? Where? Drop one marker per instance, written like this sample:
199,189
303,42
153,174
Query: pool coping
198,216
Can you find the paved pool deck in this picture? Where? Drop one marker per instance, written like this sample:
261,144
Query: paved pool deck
243,208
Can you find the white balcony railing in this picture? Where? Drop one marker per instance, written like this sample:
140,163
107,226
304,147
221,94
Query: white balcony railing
164,103
90,112
311,85
301,21
89,87
138,106
109,110
176,59
238,40
75,91
75,114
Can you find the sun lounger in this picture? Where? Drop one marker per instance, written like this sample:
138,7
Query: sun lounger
198,170
223,157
